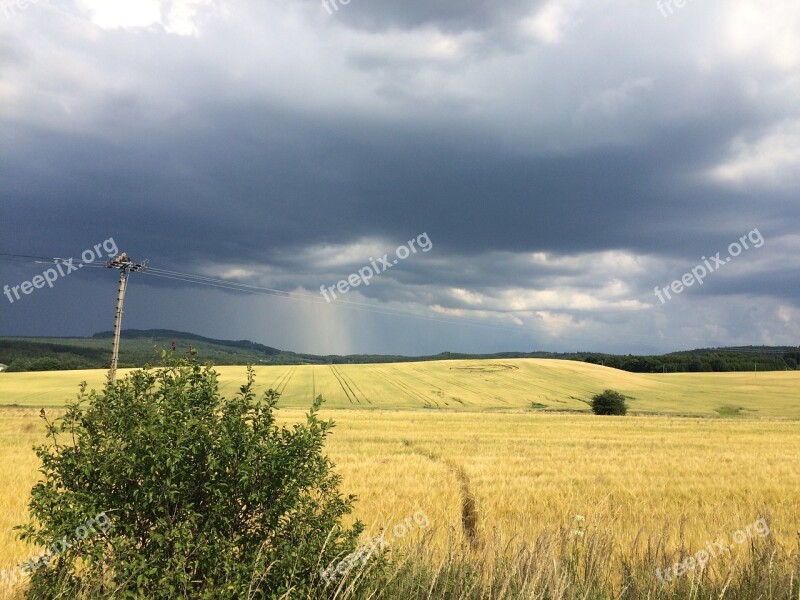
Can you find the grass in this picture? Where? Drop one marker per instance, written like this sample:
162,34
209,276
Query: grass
470,385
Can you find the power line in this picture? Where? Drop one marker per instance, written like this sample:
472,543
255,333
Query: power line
364,307
342,303
24,258
243,287
253,289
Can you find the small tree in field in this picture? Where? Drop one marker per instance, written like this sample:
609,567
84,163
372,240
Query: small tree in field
609,403
204,497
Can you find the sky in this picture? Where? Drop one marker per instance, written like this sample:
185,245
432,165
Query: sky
575,175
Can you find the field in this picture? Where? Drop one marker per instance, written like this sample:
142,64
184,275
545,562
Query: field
481,450
514,384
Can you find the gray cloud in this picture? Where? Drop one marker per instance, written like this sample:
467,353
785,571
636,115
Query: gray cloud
564,157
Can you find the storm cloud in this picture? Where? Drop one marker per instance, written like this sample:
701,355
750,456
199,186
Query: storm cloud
565,157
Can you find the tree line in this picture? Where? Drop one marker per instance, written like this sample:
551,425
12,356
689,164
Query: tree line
138,350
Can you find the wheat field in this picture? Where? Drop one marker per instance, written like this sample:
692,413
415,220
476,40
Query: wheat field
513,384
491,474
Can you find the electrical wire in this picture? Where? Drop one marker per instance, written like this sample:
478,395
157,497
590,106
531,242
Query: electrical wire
253,289
281,293
266,291
45,260
299,295
201,280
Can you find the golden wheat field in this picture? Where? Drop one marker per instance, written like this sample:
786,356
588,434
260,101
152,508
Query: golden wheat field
402,448
513,384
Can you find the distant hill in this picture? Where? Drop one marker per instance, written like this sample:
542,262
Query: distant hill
140,347
137,349
164,334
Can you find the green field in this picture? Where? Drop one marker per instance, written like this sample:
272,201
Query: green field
473,385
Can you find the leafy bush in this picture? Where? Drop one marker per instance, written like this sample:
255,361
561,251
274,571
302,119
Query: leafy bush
609,403
206,497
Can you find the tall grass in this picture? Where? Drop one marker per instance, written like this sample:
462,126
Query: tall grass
579,564
652,489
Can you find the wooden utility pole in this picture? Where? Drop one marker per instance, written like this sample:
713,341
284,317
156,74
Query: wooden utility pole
125,266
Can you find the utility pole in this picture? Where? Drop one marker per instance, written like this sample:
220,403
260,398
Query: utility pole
125,266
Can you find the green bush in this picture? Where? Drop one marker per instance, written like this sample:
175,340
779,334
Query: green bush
609,403
205,497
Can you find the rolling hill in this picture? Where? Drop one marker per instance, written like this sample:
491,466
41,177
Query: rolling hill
472,385
140,347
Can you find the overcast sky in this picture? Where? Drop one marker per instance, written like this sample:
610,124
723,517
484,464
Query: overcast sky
563,157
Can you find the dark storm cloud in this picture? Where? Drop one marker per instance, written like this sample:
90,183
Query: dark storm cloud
564,158
231,183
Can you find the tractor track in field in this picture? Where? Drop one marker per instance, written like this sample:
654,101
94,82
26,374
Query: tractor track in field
283,380
517,385
351,395
430,381
501,368
352,384
470,515
480,394
277,380
404,387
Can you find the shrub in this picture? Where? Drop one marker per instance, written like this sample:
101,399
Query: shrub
205,497
609,403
